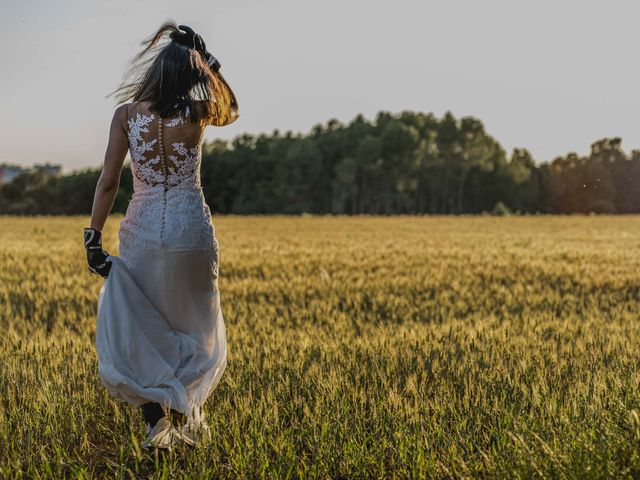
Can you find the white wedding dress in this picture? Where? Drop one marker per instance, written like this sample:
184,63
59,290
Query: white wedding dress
160,334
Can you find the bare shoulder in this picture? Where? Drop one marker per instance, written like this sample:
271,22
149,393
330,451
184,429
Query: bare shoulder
126,110
122,110
129,110
120,115
138,106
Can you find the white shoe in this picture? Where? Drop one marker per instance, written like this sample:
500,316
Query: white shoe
191,434
183,437
162,435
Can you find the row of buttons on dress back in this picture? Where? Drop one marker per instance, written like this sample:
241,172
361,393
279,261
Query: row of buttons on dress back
164,179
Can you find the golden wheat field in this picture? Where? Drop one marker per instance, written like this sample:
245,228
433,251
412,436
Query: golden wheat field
366,347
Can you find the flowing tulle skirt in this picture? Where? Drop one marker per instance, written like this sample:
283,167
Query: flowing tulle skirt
160,334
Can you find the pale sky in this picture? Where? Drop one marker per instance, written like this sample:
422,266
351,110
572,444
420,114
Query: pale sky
552,76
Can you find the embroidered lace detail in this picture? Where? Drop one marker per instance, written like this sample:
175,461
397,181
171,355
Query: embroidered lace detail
187,223
137,125
182,166
179,120
167,206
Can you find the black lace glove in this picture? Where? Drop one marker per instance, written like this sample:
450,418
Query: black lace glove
95,255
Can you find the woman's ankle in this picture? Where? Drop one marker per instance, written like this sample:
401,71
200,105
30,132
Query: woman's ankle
152,412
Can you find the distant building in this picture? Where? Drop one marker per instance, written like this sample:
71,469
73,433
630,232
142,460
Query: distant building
9,172
49,168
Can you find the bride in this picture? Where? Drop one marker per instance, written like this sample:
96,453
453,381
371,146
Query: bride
160,333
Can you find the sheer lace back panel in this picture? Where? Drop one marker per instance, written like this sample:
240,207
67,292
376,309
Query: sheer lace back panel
167,208
164,151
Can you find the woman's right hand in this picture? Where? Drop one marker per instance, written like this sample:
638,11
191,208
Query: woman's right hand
96,256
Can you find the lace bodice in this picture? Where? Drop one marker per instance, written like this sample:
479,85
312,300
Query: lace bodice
164,151
167,207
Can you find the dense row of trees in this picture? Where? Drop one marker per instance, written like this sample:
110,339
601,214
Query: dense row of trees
407,163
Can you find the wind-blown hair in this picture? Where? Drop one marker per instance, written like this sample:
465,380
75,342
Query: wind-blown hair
172,76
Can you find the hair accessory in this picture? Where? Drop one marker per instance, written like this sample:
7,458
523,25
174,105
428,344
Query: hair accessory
193,38
196,42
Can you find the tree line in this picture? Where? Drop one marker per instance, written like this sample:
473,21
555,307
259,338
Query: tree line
406,163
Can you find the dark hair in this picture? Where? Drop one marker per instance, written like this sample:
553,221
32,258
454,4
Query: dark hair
175,71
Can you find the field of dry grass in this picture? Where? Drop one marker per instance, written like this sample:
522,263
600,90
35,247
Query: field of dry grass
366,347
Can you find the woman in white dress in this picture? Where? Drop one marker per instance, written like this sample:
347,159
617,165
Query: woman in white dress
160,333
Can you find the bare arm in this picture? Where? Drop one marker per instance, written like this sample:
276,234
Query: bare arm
109,181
